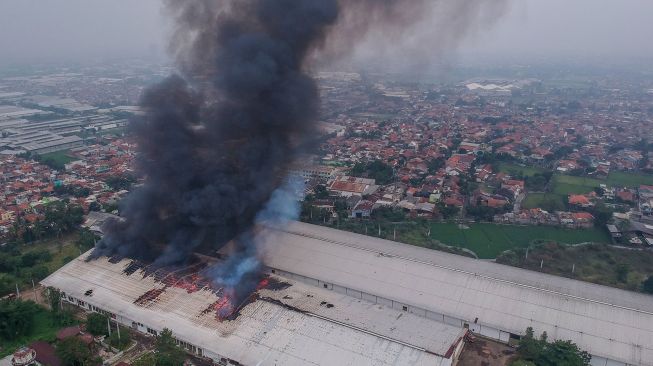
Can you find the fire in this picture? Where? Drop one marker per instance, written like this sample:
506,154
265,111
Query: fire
263,283
192,279
224,307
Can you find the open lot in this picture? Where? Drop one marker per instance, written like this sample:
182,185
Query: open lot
524,170
486,352
597,263
61,251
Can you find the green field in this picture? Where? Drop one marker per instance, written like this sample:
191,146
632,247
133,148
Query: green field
486,240
525,170
629,179
566,184
489,240
541,200
59,157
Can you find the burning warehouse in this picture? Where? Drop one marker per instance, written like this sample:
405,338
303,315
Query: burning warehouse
334,298
282,322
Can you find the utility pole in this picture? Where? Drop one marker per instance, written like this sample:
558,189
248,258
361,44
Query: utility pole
109,326
526,258
394,234
17,292
36,296
379,230
541,263
573,268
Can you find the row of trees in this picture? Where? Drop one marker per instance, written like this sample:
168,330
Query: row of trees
58,218
19,265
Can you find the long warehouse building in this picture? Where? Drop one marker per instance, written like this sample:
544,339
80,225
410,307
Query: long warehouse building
370,281
497,301
286,323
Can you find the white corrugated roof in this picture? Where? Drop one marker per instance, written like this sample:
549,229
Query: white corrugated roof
606,322
352,332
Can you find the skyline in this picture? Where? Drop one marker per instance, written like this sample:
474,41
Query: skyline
586,31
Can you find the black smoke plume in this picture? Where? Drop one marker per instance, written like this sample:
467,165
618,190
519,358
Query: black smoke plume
216,139
215,142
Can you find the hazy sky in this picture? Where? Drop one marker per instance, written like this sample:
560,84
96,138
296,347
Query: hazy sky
62,30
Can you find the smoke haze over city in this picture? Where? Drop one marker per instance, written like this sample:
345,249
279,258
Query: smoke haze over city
531,30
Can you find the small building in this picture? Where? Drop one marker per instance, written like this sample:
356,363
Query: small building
346,186
24,357
579,200
363,209
614,231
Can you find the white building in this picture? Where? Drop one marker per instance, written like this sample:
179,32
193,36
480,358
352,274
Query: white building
396,304
298,325
494,300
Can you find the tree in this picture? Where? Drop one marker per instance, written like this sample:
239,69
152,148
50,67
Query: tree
647,285
86,239
39,272
447,211
54,299
602,214
562,353
120,340
16,318
378,170
118,183
529,347
542,353
435,164
321,192
58,315
167,351
96,324
72,351
622,273
389,214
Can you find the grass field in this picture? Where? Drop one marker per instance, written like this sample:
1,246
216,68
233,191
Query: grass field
59,157
567,184
525,170
43,330
629,179
489,240
534,200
